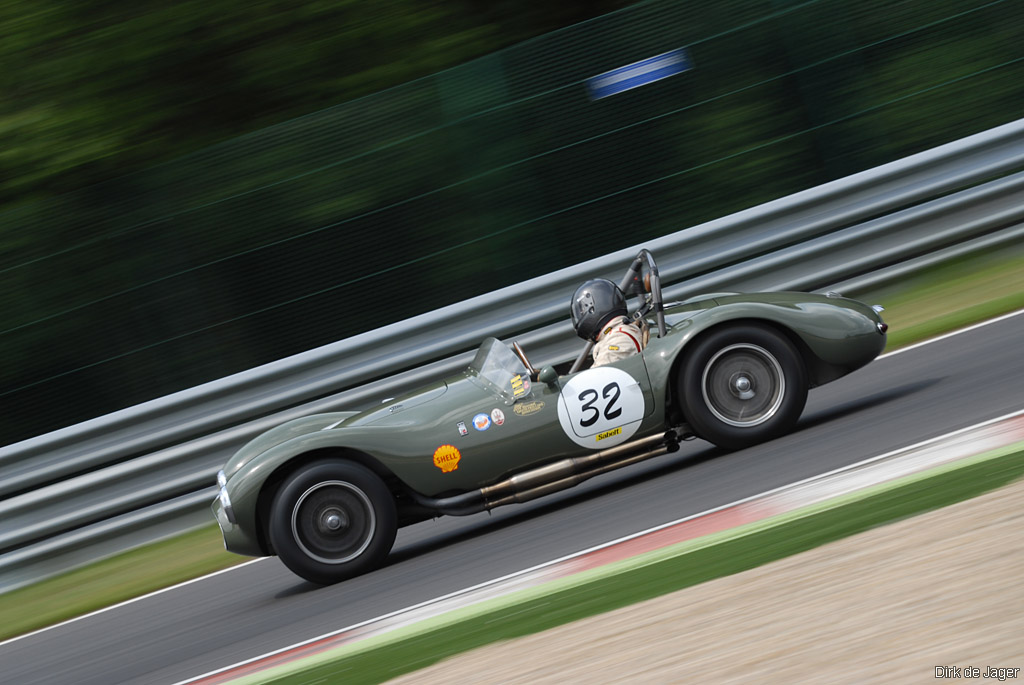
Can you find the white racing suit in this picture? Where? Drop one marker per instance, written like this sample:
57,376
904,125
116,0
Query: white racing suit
621,338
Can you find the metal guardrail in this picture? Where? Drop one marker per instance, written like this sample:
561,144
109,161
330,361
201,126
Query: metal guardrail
88,490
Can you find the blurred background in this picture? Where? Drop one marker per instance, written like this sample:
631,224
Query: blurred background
191,189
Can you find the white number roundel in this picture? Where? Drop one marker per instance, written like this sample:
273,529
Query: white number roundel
601,407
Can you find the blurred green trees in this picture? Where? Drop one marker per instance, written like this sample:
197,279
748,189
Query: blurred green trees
96,88
183,197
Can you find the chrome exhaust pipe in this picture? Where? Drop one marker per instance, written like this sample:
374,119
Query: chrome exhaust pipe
550,478
577,478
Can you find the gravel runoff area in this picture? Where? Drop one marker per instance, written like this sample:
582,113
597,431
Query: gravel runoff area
890,605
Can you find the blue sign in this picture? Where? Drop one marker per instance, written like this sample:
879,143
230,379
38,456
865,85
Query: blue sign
639,74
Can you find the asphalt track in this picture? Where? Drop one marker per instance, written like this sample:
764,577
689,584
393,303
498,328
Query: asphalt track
221,620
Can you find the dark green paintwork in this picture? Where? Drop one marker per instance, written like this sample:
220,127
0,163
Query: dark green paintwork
835,335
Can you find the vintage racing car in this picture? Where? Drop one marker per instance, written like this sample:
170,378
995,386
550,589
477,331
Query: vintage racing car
327,493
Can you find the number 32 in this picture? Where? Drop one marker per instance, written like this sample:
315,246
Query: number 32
588,397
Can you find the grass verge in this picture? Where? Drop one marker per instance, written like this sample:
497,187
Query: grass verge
652,575
936,301
951,296
119,578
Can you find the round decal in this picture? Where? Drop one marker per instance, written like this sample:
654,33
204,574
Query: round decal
446,458
481,422
498,416
601,407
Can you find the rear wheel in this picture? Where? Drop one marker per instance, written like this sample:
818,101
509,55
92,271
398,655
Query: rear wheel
333,520
743,385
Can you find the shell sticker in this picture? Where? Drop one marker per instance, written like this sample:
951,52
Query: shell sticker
446,458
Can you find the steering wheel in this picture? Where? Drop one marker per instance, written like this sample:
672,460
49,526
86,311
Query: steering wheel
526,362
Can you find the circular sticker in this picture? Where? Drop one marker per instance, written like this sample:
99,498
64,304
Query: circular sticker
498,416
481,422
601,407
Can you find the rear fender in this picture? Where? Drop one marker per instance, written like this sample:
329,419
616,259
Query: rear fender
832,337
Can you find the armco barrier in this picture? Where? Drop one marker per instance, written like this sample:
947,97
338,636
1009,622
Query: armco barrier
85,491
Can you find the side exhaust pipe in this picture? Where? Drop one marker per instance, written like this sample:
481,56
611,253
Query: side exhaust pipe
550,478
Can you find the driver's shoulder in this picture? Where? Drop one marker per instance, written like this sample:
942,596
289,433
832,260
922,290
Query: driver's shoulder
625,333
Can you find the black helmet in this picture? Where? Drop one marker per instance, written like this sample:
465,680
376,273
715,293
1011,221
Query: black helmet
594,304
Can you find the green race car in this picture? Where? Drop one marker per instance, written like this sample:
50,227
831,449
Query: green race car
327,493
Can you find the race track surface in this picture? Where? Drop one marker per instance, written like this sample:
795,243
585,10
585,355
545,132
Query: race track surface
224,619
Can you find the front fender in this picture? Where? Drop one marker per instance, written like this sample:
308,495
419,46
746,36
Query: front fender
252,472
281,434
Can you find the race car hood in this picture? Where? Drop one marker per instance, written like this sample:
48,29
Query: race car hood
329,421
395,405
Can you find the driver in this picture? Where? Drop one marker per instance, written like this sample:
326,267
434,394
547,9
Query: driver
598,312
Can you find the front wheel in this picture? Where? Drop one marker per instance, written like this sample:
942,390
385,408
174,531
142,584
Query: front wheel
743,385
332,520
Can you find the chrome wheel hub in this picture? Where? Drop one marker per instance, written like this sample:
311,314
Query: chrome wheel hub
334,520
742,387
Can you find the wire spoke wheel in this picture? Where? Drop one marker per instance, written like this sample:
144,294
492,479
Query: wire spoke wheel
333,522
743,385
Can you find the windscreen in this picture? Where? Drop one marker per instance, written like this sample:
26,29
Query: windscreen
497,366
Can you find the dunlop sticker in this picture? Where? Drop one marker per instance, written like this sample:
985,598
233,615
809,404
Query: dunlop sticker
527,408
609,434
446,458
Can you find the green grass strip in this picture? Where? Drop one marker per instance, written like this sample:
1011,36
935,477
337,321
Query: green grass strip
950,296
650,575
122,577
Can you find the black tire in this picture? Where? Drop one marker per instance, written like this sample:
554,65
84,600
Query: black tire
332,520
742,385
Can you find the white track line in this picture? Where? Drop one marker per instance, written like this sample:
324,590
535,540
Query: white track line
966,329
129,601
512,575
